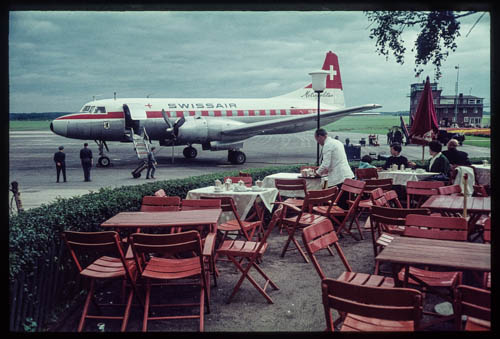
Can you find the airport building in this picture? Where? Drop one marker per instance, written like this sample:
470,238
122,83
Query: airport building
464,110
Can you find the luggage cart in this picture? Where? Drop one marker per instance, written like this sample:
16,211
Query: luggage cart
142,166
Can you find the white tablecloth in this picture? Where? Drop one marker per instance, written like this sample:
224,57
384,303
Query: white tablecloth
483,174
243,200
311,183
402,177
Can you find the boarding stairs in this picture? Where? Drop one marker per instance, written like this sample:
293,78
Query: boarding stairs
141,143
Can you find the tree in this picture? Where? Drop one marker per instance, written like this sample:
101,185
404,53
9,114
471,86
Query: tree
438,31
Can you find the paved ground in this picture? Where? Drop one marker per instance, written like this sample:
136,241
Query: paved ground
31,164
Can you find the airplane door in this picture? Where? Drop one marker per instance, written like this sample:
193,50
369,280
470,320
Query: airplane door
133,114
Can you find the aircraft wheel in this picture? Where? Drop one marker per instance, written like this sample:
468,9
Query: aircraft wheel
104,161
238,158
190,152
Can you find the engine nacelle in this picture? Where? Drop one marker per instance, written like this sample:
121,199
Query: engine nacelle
202,130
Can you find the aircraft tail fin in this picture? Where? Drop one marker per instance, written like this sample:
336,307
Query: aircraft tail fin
333,94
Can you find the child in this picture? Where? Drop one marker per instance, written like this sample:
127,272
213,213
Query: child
366,161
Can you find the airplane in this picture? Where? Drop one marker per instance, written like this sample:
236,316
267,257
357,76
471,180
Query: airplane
217,124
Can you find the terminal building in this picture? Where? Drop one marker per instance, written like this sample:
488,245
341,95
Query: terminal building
468,108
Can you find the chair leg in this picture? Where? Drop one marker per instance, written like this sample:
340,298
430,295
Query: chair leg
86,305
146,306
127,310
202,308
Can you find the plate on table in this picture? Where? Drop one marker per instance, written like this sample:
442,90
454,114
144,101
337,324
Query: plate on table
257,188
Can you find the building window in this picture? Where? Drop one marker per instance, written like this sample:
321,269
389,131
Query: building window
466,119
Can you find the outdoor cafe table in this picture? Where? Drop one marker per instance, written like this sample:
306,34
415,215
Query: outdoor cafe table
402,177
311,183
134,220
476,206
244,200
457,255
483,174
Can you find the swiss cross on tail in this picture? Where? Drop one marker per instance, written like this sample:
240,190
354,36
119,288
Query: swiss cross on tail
331,65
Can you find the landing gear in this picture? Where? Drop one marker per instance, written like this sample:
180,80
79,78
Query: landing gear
102,161
236,157
190,152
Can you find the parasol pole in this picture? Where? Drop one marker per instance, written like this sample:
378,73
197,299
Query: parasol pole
465,195
423,153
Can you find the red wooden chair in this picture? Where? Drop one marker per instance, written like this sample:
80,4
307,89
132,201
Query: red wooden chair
95,248
366,173
246,179
384,184
371,185
475,303
418,191
434,227
242,228
312,210
373,309
354,189
199,204
387,222
284,185
238,250
487,240
152,203
171,269
450,190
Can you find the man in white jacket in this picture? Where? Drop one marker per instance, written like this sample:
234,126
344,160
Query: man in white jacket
333,161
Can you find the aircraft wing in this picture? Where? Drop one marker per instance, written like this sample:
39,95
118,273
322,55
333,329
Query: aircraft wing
256,128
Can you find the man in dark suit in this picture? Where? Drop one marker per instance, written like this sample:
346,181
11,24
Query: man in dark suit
456,157
87,161
396,158
60,160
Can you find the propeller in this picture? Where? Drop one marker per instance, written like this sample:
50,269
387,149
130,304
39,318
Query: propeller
172,130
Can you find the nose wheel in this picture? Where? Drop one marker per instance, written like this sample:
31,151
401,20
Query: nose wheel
104,161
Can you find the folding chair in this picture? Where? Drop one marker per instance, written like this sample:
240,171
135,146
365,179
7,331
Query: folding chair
354,189
366,204
418,191
450,190
316,205
366,308
84,247
366,173
246,179
290,185
242,228
151,203
434,227
475,303
387,222
252,251
167,260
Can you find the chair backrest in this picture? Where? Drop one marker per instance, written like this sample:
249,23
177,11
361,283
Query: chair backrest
284,185
319,198
398,304
244,174
378,197
246,179
352,187
319,236
487,231
200,204
421,190
366,173
384,216
151,203
92,245
160,193
145,245
436,227
385,184
473,302
392,199
450,190
227,205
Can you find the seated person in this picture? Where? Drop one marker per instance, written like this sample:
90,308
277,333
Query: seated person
454,156
396,158
366,162
438,162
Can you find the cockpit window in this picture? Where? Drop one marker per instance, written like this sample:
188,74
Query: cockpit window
91,110
100,109
85,109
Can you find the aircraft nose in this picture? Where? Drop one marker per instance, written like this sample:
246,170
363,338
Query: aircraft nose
59,127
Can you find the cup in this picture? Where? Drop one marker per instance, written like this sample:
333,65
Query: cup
394,167
227,186
259,183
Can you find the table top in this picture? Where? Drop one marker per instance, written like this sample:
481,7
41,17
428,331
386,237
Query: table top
460,255
164,219
402,177
483,167
456,203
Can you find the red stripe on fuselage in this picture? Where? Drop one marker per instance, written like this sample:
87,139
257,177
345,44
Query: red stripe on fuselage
92,116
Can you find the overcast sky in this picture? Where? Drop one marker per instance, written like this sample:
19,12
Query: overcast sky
60,60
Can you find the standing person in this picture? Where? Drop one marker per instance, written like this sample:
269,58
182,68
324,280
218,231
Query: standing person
60,160
333,162
454,156
151,164
87,161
